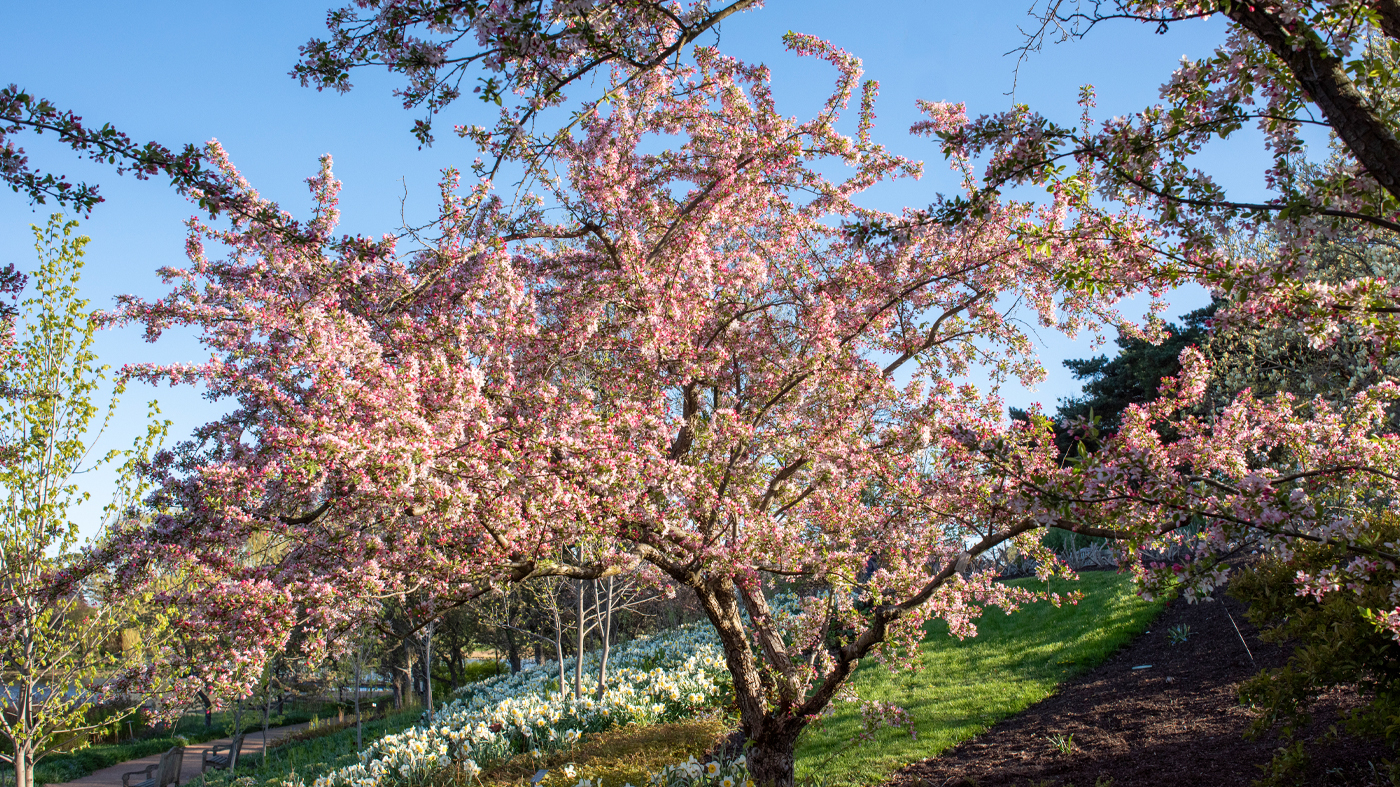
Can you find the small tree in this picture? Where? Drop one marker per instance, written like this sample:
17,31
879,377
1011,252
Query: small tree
62,647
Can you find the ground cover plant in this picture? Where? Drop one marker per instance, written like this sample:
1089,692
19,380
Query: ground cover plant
317,755
626,755
1011,664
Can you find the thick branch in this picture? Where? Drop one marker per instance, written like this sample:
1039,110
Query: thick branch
1324,77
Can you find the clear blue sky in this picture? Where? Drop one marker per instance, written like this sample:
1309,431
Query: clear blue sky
181,72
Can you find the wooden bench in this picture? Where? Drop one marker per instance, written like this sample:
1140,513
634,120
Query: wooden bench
223,762
162,774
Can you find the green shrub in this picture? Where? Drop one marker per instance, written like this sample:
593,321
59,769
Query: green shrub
474,671
1335,644
1061,540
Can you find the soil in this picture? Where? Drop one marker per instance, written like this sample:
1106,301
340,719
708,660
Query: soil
1157,713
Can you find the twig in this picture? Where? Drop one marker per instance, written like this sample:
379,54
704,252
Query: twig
1237,631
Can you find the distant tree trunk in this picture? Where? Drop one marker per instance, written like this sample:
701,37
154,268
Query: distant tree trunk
406,672
428,668
512,649
558,642
208,708
604,633
267,712
359,730
578,648
454,665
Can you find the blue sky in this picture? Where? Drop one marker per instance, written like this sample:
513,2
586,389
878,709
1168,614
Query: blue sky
181,72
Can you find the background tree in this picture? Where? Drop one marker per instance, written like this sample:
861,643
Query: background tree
55,629
1112,384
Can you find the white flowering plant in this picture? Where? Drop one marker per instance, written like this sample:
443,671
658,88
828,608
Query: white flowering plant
658,679
715,773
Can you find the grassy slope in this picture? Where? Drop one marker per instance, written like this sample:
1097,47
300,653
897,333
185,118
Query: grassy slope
961,688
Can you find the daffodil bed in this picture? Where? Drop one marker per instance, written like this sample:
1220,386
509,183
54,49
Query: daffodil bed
652,680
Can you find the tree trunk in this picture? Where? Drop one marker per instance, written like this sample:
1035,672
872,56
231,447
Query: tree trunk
267,712
454,666
771,732
428,668
604,633
359,730
558,642
772,760
408,665
208,708
512,650
578,648
24,766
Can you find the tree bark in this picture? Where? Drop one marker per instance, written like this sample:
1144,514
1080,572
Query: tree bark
558,641
267,712
604,633
24,766
208,708
1324,78
406,671
578,647
772,731
512,650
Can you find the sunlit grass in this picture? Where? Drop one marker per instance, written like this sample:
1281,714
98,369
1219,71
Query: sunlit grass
617,757
961,688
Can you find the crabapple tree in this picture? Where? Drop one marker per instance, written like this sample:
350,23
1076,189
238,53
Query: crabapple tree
682,354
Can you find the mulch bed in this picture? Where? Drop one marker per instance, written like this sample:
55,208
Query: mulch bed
1177,722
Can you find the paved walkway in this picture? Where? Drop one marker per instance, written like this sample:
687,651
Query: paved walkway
189,767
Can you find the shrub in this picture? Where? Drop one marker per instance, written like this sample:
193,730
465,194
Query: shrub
1337,641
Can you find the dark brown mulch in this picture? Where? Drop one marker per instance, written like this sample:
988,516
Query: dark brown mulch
1177,722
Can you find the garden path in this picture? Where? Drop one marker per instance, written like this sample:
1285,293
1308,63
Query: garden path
194,756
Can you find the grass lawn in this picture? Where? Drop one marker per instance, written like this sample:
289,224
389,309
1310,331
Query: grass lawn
961,688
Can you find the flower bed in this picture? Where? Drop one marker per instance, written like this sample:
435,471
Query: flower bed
652,680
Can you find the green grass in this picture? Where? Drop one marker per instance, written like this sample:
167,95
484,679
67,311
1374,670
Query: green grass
962,688
628,755
67,766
